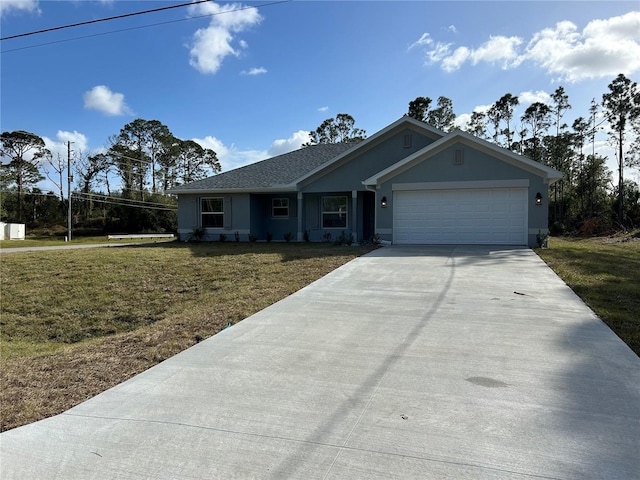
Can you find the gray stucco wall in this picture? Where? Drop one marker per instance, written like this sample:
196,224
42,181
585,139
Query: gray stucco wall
477,166
348,175
236,216
263,221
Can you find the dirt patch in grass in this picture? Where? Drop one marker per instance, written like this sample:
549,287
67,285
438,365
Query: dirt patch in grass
77,322
605,273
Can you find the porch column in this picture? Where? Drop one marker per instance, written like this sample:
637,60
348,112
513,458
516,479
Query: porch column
354,215
300,234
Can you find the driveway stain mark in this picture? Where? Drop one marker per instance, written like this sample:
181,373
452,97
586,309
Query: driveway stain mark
487,382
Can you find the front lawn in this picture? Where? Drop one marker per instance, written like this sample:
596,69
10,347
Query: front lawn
605,273
74,323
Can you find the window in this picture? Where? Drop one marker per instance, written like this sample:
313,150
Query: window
212,212
280,207
334,212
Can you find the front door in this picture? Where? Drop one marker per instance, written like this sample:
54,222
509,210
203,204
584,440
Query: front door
368,215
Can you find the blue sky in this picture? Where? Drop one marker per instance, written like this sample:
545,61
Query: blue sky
251,80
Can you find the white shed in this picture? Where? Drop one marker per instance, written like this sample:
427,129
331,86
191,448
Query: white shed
12,231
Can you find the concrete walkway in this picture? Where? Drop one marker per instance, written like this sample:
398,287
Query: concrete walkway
408,363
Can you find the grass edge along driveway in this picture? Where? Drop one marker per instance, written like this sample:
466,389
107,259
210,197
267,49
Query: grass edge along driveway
605,273
77,322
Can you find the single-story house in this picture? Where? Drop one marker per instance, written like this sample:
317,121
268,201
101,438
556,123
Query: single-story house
409,183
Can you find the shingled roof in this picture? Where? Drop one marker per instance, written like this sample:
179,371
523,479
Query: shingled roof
270,173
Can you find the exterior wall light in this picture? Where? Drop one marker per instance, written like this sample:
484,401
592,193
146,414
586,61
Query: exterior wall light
383,202
538,198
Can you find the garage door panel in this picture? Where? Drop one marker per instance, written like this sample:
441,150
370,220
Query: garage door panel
489,216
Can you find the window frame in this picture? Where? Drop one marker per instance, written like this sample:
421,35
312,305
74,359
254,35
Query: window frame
344,213
274,207
212,213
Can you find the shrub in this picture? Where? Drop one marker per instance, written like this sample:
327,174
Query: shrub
237,235
326,237
305,236
269,236
223,237
343,239
197,234
542,239
288,237
252,238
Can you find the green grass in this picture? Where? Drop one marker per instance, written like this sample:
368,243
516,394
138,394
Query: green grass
605,273
76,322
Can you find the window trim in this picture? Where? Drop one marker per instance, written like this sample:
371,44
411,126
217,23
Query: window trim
274,207
345,212
221,212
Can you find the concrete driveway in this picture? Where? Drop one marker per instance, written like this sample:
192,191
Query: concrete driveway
410,362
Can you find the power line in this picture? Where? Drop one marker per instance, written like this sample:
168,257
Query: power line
71,25
122,199
168,209
141,27
127,202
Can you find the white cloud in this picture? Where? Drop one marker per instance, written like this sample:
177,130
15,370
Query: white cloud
58,145
231,157
323,109
254,71
453,62
533,97
59,152
452,29
102,99
294,142
462,121
425,39
604,48
17,6
211,45
497,49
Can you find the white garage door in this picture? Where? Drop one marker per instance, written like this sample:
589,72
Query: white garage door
486,216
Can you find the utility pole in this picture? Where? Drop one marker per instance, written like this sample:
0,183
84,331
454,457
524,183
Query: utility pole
69,190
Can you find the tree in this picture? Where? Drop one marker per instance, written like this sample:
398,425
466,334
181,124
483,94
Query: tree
128,167
536,118
621,107
160,145
59,165
442,116
142,144
502,111
339,130
580,131
193,163
478,125
88,168
419,108
24,151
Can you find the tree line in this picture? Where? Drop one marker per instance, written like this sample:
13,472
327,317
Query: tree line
144,156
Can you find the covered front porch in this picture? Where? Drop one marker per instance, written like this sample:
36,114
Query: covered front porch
313,217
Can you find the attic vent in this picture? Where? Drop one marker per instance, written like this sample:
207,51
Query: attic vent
458,157
406,141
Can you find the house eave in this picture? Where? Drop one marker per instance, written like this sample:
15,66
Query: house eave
227,191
